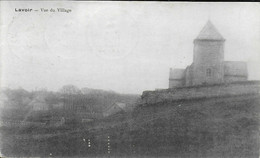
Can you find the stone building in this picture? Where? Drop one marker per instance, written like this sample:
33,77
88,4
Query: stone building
114,108
208,65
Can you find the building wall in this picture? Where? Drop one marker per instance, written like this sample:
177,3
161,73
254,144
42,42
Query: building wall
112,110
188,75
208,54
235,71
220,90
176,78
175,83
234,78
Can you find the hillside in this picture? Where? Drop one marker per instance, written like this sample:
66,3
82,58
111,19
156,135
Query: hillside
213,127
218,126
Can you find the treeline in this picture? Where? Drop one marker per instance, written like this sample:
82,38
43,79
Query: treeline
20,103
44,122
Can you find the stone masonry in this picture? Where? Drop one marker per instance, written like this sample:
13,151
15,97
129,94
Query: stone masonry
208,65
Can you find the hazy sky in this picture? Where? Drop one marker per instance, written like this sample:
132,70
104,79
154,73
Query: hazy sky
127,47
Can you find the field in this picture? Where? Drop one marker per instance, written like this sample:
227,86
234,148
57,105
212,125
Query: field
213,127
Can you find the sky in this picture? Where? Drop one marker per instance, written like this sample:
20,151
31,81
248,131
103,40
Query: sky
127,47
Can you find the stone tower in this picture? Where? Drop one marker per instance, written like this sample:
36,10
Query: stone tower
208,56
208,65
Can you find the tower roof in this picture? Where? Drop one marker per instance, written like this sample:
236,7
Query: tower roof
209,32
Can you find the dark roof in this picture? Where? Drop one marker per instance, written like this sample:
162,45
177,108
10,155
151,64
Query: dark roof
118,104
209,32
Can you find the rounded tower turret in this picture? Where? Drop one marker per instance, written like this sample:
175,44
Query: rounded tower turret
208,56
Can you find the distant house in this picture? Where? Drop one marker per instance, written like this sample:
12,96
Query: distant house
114,108
58,106
38,104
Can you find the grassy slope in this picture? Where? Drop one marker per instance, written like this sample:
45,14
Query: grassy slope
216,127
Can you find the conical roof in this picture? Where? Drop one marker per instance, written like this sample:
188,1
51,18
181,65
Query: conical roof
209,32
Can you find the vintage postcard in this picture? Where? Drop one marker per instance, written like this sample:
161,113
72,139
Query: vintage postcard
129,79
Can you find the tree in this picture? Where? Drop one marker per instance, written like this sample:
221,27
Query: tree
69,95
17,98
70,90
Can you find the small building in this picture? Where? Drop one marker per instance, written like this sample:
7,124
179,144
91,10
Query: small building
39,104
176,77
208,66
114,108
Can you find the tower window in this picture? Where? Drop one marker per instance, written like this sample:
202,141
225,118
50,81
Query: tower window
208,72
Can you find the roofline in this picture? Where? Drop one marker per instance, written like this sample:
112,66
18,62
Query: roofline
177,68
245,62
235,75
173,79
209,24
197,39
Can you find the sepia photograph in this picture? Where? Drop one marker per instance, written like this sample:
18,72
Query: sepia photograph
129,79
